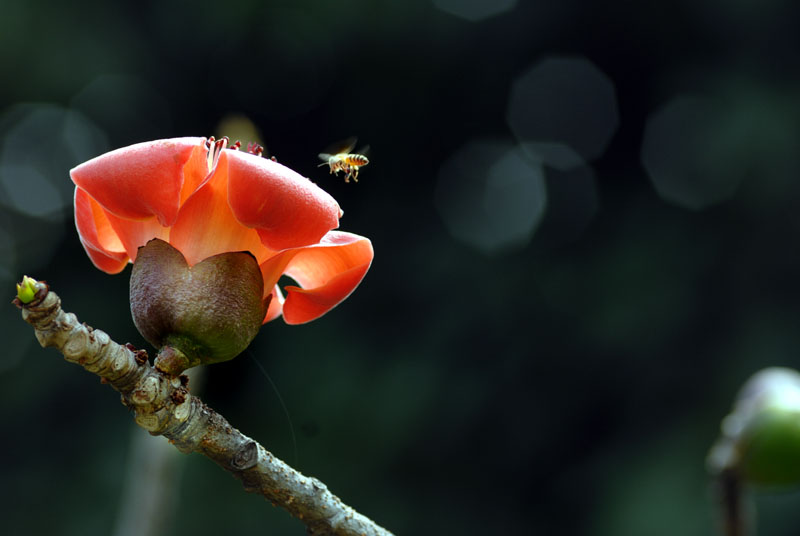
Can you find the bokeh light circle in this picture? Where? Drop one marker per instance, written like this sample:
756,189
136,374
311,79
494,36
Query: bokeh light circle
692,152
475,10
491,196
40,144
565,101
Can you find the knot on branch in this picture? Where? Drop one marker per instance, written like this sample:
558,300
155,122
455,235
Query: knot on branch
140,356
246,457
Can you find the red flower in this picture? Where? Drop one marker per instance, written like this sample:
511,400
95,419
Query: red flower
208,201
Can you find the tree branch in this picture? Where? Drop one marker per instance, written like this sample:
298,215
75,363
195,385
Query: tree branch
162,405
730,499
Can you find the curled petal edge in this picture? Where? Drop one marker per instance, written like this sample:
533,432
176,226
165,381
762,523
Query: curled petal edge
97,236
304,305
110,263
275,305
328,272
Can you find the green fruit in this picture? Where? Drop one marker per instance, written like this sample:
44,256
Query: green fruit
761,437
770,448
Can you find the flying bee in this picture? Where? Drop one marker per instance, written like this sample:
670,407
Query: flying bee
341,159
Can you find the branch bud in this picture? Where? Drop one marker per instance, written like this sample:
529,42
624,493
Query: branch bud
26,290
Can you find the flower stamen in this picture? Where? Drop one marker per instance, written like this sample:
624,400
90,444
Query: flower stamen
254,148
215,147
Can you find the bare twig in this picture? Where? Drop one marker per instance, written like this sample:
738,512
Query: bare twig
162,405
729,489
730,500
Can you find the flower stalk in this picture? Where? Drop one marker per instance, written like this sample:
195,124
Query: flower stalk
162,405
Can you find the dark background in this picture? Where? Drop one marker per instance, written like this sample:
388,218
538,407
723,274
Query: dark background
549,334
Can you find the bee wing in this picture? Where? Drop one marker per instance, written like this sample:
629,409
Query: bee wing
364,150
344,146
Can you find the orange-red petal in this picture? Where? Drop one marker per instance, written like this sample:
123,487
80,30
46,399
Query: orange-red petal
140,181
304,305
97,236
195,171
286,209
109,263
327,273
136,233
275,305
206,225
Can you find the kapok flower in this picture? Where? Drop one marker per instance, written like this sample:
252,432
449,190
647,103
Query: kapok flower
204,200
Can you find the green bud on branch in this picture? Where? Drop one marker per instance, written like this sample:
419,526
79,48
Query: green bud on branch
26,290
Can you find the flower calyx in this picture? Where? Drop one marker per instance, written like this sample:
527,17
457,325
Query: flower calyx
206,313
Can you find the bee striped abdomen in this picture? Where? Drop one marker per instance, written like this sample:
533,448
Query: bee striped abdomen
356,159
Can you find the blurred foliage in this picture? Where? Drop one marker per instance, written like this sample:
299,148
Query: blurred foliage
566,382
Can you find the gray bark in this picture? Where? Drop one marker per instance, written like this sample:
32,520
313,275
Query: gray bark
162,405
